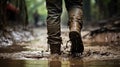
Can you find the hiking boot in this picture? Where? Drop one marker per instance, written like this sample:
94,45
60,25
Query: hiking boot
75,26
55,49
77,47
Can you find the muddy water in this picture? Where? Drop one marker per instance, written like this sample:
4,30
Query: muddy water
70,63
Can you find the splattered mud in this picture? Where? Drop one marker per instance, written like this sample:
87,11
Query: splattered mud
37,51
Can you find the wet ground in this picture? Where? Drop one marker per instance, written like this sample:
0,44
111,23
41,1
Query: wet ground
70,63
35,53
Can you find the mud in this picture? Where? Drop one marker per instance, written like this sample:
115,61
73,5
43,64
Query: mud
37,49
14,35
69,63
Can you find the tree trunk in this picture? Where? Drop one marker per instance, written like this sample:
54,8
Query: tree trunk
103,10
114,8
13,23
87,9
13,13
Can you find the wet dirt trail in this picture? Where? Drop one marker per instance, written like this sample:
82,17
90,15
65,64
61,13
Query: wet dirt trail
35,53
44,63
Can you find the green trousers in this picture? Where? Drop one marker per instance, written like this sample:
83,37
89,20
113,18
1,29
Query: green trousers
54,8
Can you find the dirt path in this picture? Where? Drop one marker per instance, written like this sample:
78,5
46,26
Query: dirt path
37,49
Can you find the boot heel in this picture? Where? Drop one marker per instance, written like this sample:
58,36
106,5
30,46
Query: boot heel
77,45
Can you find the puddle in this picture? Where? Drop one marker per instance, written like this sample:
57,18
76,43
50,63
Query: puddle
70,63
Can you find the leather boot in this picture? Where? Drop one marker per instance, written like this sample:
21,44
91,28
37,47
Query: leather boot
75,25
55,49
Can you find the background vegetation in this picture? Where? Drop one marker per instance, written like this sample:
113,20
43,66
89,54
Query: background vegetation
94,10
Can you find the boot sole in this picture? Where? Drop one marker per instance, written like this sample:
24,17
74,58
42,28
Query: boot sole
77,44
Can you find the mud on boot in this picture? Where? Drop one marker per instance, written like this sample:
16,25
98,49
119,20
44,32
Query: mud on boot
77,47
55,49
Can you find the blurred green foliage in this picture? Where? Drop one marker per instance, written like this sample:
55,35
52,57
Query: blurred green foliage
94,10
39,5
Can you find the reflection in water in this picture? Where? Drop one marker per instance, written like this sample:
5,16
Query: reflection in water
9,63
57,63
76,62
71,63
